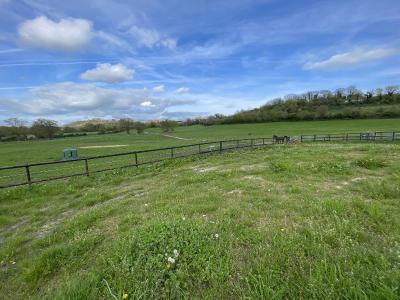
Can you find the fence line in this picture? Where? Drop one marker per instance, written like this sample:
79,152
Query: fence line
28,173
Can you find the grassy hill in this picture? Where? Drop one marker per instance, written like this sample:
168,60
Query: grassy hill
309,221
322,105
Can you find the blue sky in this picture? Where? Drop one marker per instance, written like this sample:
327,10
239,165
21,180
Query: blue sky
70,60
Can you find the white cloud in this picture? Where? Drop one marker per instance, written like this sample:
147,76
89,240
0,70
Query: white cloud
355,57
109,73
151,38
159,88
182,90
65,35
147,104
68,99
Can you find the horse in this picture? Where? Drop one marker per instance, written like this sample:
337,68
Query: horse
280,139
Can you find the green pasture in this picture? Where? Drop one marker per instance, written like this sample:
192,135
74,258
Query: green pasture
303,221
12,153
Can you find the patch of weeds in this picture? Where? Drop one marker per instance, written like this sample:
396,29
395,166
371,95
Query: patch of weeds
371,209
333,167
84,286
377,189
93,198
6,220
59,257
370,163
170,260
334,206
278,167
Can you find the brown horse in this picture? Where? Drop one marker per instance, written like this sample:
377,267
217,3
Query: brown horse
280,139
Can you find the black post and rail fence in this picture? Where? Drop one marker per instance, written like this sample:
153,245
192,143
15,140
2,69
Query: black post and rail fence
32,173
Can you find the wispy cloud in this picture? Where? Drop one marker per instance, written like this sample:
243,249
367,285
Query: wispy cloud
182,90
150,38
11,50
50,63
355,57
159,88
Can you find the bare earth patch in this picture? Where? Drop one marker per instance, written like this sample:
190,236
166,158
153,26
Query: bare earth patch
204,169
177,137
102,146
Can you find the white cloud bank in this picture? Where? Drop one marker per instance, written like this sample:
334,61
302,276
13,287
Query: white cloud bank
355,57
70,99
182,90
109,73
65,35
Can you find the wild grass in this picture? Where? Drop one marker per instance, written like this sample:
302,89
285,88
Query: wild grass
309,221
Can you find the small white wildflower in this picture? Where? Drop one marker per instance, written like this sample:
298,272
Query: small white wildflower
204,216
146,204
183,218
216,235
176,253
171,260
13,262
269,190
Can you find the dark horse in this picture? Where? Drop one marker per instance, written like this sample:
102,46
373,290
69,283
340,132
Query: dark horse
280,139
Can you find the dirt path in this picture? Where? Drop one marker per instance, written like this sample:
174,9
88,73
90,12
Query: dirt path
177,137
102,146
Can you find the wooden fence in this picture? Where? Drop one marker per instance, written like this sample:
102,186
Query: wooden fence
45,171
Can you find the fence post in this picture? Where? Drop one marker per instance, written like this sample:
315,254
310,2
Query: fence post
172,152
301,138
220,146
263,141
28,174
329,137
393,133
87,167
315,137
136,160
360,136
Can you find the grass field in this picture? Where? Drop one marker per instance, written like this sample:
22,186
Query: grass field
306,221
47,150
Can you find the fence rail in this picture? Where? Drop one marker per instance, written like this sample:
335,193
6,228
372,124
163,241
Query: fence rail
45,171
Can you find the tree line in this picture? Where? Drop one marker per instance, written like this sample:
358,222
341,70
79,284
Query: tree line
343,103
18,129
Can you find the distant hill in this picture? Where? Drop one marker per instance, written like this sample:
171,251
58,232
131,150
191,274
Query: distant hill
349,103
94,121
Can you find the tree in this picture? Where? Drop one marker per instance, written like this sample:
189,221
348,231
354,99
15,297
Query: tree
379,93
17,126
322,111
140,127
15,122
126,124
168,125
69,129
391,90
44,128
